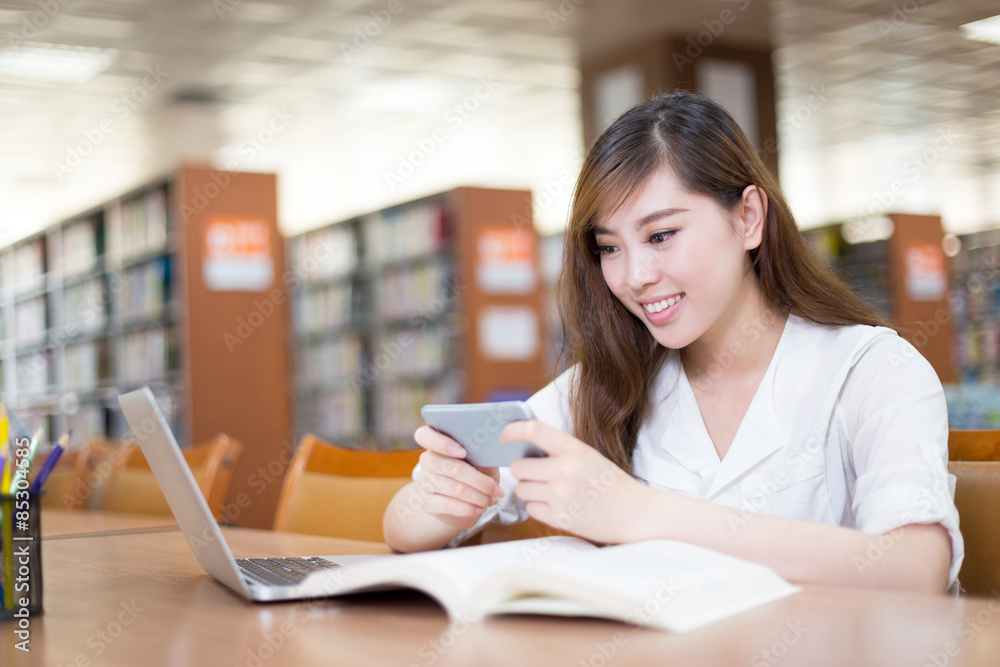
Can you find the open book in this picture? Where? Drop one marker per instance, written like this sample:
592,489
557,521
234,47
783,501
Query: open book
663,584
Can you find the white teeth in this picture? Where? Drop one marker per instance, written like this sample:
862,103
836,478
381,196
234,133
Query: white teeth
661,305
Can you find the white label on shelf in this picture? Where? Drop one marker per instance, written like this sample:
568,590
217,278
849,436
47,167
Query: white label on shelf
238,255
926,279
505,260
508,332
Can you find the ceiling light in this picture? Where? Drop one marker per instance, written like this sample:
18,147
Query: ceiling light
62,63
985,30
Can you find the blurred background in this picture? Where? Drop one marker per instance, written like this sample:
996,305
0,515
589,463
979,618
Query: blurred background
424,154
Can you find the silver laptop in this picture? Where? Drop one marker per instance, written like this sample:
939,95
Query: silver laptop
258,579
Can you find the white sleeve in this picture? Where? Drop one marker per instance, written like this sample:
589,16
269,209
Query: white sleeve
549,405
894,409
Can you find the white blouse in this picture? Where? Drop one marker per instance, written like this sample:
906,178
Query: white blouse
848,427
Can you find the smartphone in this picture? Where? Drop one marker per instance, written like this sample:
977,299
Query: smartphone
477,426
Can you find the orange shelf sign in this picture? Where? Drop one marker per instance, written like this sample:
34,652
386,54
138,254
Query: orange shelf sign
926,279
505,260
238,255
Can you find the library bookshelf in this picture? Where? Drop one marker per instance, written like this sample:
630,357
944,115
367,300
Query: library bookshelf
176,285
438,300
897,263
975,306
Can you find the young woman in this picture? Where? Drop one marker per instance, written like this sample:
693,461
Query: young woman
725,387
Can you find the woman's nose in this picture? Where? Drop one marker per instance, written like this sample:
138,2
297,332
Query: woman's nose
641,272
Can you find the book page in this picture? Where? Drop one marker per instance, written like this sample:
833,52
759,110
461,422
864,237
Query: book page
672,585
451,576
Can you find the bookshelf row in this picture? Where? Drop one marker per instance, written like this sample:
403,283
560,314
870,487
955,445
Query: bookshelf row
388,313
975,307
87,307
397,325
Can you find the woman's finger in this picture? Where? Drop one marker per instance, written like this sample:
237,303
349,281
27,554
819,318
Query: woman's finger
438,442
460,471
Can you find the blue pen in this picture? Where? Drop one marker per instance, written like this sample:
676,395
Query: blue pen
47,467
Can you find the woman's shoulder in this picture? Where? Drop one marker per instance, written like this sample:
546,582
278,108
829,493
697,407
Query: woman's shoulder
848,342
863,350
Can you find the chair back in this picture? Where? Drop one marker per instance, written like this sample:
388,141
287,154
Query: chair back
977,497
341,492
974,445
81,475
975,462
134,488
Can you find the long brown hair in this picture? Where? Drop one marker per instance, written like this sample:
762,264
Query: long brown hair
615,356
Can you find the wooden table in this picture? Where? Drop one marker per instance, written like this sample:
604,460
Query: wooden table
141,599
81,523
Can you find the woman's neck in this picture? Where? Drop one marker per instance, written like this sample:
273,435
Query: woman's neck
740,343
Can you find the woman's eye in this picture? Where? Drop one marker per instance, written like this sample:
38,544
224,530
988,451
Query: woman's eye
605,249
660,237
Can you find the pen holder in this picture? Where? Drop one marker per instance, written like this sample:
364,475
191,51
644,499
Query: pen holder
21,558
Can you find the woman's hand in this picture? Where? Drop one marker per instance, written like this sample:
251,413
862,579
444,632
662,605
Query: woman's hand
452,490
574,488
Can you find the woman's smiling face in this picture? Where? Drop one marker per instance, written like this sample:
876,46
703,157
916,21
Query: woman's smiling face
677,260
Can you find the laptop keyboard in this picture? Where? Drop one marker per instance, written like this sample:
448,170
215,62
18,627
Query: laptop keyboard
282,571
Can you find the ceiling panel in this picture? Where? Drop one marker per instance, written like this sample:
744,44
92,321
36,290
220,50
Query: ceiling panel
364,90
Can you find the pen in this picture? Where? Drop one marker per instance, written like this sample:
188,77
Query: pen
49,464
8,457
7,528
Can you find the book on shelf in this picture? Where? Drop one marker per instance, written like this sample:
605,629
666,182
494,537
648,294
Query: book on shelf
79,248
661,584
29,265
29,321
83,308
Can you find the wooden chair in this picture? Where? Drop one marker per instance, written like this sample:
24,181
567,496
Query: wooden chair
975,462
133,488
974,445
80,476
341,492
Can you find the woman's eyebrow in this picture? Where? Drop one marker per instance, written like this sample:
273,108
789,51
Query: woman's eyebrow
646,219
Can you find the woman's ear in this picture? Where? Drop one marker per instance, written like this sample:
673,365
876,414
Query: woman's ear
753,213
